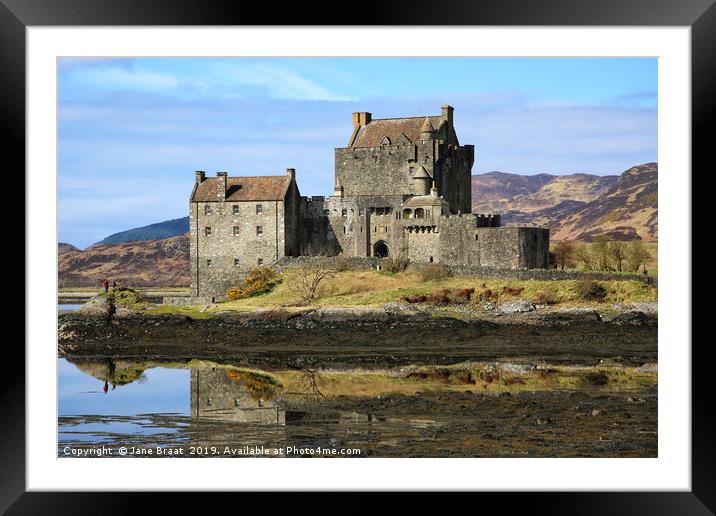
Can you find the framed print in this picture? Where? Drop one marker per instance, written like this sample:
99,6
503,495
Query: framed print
427,256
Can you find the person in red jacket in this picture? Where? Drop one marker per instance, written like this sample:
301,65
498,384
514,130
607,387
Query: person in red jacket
105,284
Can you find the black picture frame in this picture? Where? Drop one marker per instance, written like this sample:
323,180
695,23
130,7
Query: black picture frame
700,15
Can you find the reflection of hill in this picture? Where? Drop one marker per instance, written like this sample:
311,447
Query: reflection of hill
116,372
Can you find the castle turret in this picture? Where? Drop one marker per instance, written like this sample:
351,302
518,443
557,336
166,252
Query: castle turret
426,130
422,181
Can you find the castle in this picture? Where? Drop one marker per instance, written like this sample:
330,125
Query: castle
402,188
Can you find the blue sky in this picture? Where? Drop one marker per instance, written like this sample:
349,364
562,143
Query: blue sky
132,131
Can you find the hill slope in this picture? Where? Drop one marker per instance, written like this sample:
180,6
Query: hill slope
628,211
156,231
577,206
149,263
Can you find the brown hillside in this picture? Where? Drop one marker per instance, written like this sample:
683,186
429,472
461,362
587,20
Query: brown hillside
148,263
558,189
628,211
581,206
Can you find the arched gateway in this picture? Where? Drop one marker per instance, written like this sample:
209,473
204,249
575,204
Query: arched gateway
380,249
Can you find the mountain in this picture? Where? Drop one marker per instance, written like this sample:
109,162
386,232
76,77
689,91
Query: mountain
576,206
148,263
628,211
63,248
546,191
156,231
495,187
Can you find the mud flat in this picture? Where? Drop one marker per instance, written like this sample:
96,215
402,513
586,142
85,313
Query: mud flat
346,338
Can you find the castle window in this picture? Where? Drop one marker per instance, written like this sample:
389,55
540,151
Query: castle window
209,263
476,236
235,209
207,231
344,212
260,261
207,209
259,230
259,209
419,213
236,230
344,230
361,212
236,262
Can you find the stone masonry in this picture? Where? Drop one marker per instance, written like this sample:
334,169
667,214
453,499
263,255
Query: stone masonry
402,188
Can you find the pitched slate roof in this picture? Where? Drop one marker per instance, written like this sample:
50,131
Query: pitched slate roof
425,200
246,188
372,134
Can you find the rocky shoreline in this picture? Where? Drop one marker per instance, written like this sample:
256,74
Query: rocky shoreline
392,335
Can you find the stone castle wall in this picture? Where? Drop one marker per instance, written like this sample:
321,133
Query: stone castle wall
230,254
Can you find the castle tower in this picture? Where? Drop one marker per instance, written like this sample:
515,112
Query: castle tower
426,130
422,181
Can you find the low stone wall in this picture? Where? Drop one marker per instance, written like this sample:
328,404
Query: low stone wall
326,262
329,262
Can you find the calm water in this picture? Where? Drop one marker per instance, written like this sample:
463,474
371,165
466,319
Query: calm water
122,407
67,308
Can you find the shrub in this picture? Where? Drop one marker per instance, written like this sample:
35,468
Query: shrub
306,281
259,280
125,296
546,296
395,265
591,290
341,264
434,271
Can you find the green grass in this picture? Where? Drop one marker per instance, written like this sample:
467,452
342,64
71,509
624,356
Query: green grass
188,311
371,289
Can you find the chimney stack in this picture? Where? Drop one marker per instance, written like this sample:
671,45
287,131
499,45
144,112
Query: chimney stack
447,114
225,177
361,119
291,173
200,176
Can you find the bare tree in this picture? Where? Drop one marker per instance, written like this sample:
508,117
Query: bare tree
583,253
600,252
617,253
563,252
306,281
637,255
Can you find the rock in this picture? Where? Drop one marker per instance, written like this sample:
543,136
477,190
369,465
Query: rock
517,306
647,368
400,308
581,314
633,317
98,306
596,412
123,311
647,307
